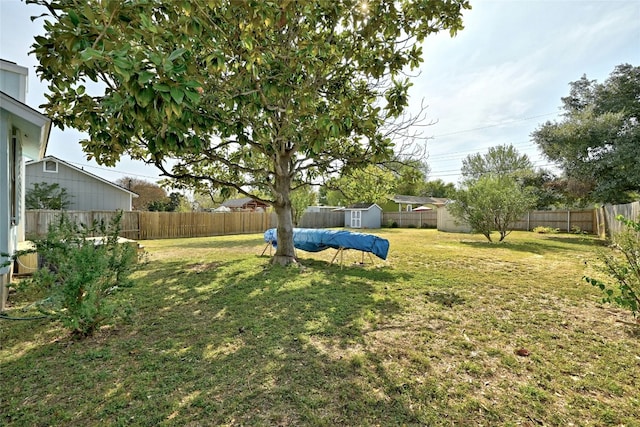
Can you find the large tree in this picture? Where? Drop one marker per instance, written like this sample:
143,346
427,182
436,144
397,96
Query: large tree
502,160
372,184
597,141
258,96
148,192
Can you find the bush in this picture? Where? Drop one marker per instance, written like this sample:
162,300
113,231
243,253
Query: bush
79,273
622,264
545,230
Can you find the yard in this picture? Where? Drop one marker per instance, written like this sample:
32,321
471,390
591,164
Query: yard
451,330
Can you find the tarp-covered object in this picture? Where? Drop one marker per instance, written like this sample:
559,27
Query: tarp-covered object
316,240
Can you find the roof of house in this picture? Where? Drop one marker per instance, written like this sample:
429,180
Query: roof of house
119,187
34,125
417,200
242,202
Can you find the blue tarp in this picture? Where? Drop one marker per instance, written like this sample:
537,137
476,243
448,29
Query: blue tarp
316,240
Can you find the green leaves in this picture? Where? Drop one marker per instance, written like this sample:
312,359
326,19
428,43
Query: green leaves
251,95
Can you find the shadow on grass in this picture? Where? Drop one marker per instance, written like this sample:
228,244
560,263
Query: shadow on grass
225,241
234,342
549,245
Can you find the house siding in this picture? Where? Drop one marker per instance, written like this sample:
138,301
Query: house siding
86,192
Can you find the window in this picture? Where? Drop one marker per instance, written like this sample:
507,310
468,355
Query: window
409,208
50,166
356,219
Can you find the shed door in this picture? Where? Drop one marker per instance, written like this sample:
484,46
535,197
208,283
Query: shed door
356,219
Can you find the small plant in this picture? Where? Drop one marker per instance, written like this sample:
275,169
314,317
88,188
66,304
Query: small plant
545,230
622,264
394,224
80,273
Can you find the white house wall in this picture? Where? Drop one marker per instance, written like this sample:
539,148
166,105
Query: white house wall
6,232
86,193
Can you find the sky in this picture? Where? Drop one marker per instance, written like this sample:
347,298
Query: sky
492,84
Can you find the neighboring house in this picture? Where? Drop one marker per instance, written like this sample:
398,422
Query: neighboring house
86,191
409,203
363,215
245,204
24,132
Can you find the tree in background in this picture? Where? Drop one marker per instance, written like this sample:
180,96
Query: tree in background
249,95
47,196
438,188
502,160
301,199
494,194
149,193
597,142
492,203
373,184
410,177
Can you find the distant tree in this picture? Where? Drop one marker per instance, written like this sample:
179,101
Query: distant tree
149,193
175,202
410,177
301,198
548,190
372,184
597,142
502,160
438,188
47,196
492,203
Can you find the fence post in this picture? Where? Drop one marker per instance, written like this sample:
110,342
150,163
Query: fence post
568,221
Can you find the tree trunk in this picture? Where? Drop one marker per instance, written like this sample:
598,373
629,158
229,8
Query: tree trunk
285,252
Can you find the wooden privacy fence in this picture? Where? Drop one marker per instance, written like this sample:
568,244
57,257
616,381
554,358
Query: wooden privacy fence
572,220
37,222
322,219
424,219
608,225
569,221
141,225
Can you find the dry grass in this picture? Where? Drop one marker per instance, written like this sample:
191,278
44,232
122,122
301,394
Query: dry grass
449,331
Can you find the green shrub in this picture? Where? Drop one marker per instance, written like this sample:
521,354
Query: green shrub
622,264
79,273
545,230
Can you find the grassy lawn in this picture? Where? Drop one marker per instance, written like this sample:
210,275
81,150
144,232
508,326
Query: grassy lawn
429,337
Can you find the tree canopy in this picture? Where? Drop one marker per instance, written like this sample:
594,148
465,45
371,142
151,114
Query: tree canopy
494,192
148,192
492,203
502,160
261,97
597,142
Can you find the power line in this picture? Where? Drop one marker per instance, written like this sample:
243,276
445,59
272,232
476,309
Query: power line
506,122
83,165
